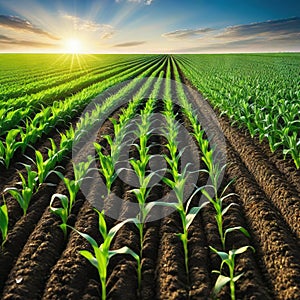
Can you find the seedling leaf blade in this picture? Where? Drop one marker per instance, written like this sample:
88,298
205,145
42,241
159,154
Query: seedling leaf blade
220,283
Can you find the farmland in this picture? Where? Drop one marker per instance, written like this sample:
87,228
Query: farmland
234,118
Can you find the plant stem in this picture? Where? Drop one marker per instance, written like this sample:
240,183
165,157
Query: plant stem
232,284
103,286
185,243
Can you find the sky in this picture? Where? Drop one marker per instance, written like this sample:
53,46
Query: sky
149,26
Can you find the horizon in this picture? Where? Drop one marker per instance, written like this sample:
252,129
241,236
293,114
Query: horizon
149,27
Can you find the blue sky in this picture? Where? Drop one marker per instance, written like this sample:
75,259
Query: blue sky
149,26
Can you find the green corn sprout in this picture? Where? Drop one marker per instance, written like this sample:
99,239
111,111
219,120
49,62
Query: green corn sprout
229,260
44,167
3,221
107,166
102,254
28,189
8,149
53,151
62,212
73,186
187,216
217,202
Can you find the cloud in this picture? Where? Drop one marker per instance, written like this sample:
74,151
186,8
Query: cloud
106,31
186,33
146,2
273,28
130,44
5,40
18,24
272,35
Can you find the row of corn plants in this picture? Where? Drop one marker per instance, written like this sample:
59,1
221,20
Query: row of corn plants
33,180
179,175
253,94
140,166
214,169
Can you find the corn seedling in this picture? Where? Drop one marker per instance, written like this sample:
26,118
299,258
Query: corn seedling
229,260
44,167
3,221
8,149
73,186
62,212
103,253
107,162
24,196
217,202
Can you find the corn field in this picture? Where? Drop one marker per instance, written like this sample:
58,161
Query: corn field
188,189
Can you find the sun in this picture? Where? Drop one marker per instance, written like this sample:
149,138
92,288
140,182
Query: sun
73,45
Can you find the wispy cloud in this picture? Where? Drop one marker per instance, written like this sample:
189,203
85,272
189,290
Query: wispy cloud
130,44
272,28
186,33
269,35
19,24
146,2
5,40
107,31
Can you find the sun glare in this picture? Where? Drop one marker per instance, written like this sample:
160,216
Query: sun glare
73,46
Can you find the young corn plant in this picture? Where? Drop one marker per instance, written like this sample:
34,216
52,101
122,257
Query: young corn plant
217,202
108,162
29,187
3,222
9,147
73,186
44,167
229,260
62,212
102,253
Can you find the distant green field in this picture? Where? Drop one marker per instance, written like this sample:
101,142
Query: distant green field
259,91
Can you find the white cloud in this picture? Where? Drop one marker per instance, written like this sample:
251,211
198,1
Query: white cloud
272,35
186,33
105,30
19,24
146,2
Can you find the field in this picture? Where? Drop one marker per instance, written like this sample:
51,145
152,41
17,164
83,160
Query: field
198,157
